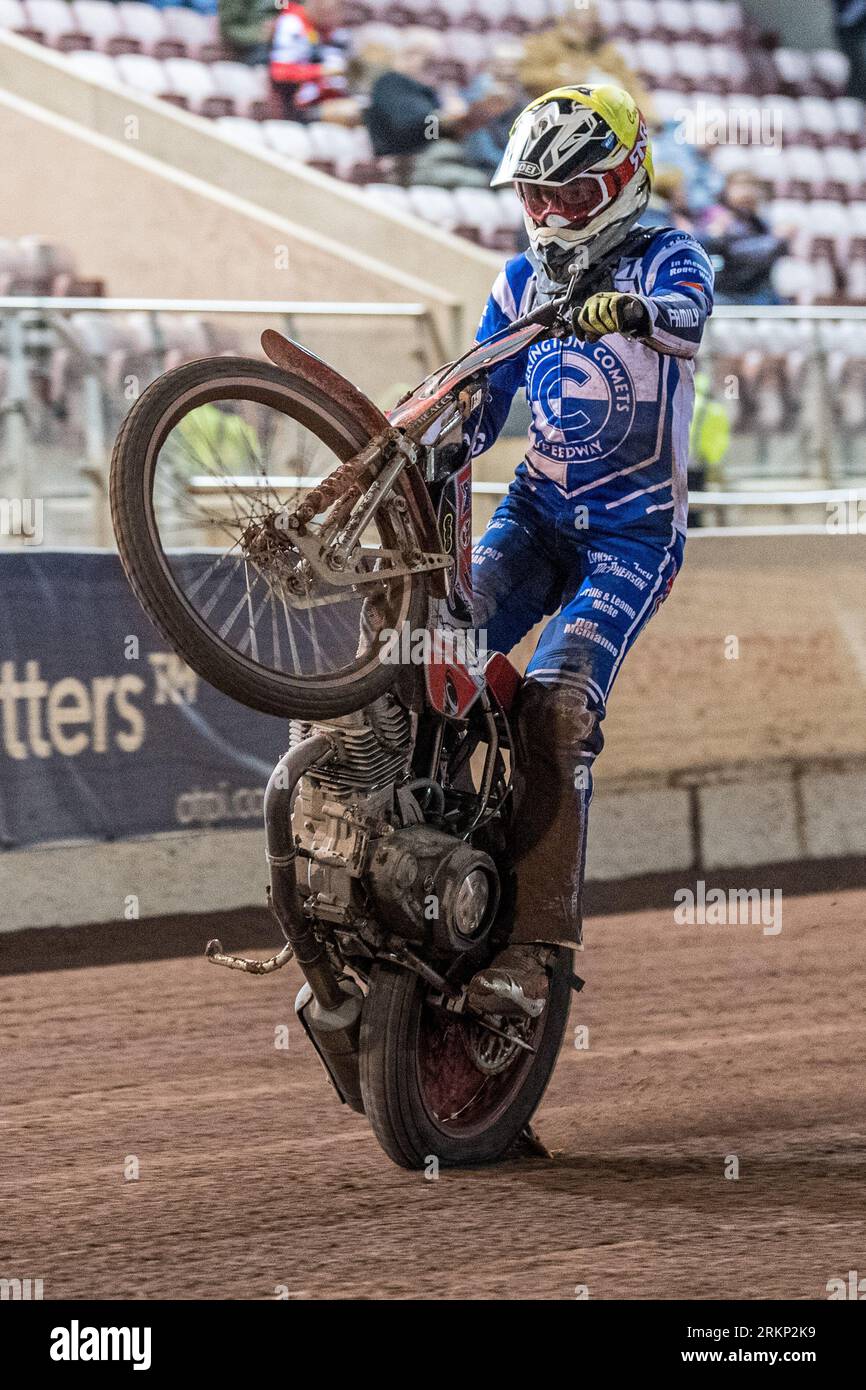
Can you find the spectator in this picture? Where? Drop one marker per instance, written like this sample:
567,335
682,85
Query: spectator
741,243
668,204
308,57
702,183
577,50
499,87
407,119
851,34
246,27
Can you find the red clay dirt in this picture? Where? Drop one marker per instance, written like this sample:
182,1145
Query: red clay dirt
704,1042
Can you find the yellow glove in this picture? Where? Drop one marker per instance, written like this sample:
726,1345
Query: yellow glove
612,313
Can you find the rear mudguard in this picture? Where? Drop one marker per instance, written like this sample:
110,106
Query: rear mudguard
292,358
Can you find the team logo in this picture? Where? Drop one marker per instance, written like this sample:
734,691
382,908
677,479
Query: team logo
583,400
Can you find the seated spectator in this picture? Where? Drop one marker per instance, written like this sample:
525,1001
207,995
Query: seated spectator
577,50
408,120
246,27
702,181
308,58
668,204
740,241
499,87
851,34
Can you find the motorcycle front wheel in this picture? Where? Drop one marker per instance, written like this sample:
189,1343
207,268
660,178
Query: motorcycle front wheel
208,461
437,1085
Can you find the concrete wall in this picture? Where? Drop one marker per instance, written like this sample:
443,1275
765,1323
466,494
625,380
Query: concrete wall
714,764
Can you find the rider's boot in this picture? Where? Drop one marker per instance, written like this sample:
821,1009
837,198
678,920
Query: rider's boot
557,738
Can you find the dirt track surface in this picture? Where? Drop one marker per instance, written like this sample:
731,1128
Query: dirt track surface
703,1042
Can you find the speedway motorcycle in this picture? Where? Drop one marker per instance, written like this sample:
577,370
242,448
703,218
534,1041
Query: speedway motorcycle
310,556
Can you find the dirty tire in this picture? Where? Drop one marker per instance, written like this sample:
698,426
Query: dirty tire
133,462
391,1085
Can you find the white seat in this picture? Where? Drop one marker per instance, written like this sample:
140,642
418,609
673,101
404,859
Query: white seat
390,196
190,79
819,118
639,15
96,67
844,166
435,205
195,29
289,139
716,20
677,16
99,19
332,144
244,84
783,114
478,208
691,61
805,164
13,15
141,21
144,73
832,67
850,116
242,131
655,60
793,66
54,17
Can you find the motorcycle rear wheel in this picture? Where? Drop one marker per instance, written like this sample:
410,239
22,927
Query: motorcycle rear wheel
423,1094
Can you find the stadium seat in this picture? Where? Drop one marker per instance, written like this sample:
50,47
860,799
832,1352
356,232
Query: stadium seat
145,74
104,26
244,131
654,60
193,81
479,216
147,24
388,195
97,67
638,17
55,20
289,139
718,21
199,32
246,87
14,16
832,69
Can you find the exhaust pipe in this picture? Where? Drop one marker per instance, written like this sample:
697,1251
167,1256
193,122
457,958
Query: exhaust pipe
282,855
329,1009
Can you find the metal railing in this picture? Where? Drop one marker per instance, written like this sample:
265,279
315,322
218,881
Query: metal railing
56,430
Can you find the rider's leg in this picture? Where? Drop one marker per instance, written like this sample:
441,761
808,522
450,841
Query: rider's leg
614,592
516,579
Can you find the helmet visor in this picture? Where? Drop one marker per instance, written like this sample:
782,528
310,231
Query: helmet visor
573,204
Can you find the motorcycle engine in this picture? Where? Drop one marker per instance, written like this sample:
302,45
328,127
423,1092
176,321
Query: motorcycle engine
366,854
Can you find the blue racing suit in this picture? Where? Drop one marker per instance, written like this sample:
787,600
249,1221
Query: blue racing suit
592,529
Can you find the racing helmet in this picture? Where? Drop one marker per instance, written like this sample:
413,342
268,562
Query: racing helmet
580,161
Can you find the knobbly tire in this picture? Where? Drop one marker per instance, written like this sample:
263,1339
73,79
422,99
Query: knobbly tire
422,1093
133,464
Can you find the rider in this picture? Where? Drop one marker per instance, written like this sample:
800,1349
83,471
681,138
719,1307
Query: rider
593,526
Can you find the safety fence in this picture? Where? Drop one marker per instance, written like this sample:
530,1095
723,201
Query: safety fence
781,410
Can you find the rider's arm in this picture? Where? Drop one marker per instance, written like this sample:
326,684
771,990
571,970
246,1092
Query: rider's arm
677,290
506,379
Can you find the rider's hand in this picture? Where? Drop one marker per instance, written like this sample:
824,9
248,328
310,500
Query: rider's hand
612,313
